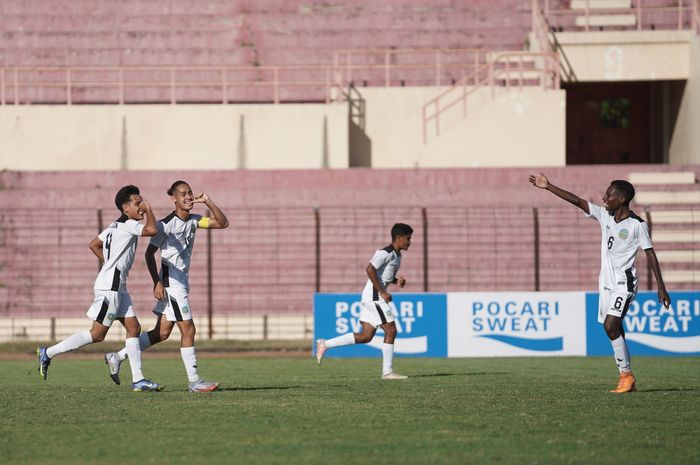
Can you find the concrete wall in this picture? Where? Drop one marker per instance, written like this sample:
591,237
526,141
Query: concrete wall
685,142
627,55
512,128
145,137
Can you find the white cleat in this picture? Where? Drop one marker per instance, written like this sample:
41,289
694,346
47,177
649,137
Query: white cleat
203,386
320,349
393,375
113,363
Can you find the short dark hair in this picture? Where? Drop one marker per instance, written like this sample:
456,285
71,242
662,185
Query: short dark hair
400,229
624,188
171,191
124,195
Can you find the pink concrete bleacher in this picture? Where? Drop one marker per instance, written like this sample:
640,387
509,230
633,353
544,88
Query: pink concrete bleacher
181,33
480,234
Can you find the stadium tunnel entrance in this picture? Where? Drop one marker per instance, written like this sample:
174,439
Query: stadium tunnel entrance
621,122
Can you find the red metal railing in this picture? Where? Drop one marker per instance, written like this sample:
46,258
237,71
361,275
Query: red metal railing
275,84
648,15
505,69
407,66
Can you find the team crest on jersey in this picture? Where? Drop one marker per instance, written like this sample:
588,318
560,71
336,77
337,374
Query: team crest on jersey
111,316
623,233
185,309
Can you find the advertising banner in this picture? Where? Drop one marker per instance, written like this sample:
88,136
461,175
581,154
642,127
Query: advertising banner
650,329
510,324
421,323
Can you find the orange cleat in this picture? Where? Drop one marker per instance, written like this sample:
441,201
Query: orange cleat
627,383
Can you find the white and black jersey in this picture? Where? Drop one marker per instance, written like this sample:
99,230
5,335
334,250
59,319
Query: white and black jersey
618,248
119,243
387,262
175,239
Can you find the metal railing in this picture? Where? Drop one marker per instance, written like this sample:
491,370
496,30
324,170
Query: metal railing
648,15
272,260
209,84
503,69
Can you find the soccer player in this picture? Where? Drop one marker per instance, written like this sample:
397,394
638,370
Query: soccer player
376,312
115,247
622,233
175,240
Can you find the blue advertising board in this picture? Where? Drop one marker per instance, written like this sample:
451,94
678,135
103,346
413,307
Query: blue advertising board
650,329
421,322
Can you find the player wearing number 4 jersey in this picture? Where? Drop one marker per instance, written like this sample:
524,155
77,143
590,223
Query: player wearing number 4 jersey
622,233
175,240
115,247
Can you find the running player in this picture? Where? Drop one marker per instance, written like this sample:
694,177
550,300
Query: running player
622,234
376,312
175,240
115,247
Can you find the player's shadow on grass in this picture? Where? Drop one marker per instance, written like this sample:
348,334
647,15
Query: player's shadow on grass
259,388
433,375
667,390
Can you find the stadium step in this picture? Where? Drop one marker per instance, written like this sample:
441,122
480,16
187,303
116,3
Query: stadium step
600,4
668,198
651,177
606,20
678,256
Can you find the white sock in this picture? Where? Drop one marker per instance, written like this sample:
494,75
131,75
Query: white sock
622,357
144,343
388,360
132,348
346,339
190,360
73,342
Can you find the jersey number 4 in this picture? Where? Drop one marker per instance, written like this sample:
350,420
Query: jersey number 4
108,244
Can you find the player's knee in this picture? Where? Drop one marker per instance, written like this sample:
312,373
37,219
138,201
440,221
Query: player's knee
134,331
98,337
163,335
612,331
390,331
363,338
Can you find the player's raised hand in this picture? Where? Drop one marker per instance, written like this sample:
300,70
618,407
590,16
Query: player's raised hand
144,206
401,281
201,197
540,181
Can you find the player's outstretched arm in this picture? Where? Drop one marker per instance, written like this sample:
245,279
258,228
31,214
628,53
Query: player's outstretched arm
150,255
219,221
96,248
542,182
150,228
374,279
664,298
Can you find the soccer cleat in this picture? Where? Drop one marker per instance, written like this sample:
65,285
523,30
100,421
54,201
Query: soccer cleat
114,364
320,349
44,361
627,383
393,375
146,385
203,386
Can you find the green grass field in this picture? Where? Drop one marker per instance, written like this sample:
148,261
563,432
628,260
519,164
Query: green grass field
284,411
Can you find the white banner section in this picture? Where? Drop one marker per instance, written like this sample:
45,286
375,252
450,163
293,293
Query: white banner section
496,324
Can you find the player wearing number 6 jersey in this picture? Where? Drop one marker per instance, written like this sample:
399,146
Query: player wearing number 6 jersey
115,247
175,240
622,233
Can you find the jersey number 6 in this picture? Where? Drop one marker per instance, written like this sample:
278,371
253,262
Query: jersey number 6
610,242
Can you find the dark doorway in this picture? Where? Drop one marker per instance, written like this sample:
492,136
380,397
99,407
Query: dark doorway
620,122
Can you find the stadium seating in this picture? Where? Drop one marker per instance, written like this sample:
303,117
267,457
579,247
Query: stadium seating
480,234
